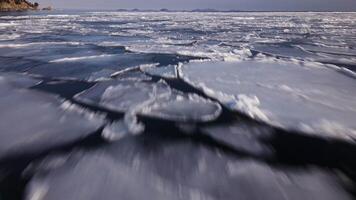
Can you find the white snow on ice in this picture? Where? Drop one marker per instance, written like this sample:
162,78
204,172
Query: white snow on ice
300,96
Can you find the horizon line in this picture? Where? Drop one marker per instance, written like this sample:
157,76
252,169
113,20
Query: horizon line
196,10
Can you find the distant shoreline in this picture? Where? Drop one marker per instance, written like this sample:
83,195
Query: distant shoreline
201,11
49,8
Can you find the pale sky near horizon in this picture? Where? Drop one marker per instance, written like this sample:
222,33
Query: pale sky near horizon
266,5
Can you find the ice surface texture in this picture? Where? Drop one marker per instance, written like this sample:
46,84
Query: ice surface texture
78,45
304,97
33,121
151,99
131,169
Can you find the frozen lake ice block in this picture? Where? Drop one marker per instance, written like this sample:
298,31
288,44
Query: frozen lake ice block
307,97
151,99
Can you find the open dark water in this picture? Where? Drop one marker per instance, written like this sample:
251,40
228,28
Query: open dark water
178,105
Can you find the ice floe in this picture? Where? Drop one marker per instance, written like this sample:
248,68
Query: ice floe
150,99
302,96
32,122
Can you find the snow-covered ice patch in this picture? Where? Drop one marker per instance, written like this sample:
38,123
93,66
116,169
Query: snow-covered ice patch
302,96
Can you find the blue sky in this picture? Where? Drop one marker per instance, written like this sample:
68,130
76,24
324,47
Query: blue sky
321,5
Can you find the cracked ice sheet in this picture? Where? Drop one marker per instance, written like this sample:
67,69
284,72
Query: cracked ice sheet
33,121
150,99
306,97
161,168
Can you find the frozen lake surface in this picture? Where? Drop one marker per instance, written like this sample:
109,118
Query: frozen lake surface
177,105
